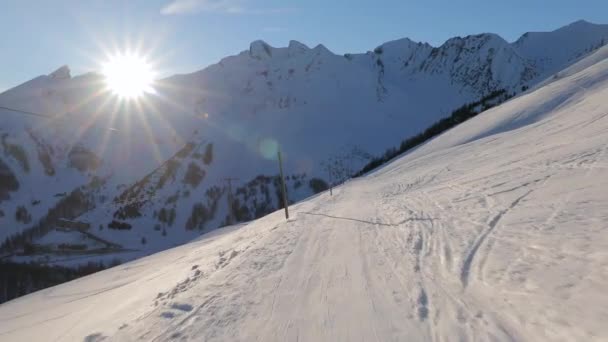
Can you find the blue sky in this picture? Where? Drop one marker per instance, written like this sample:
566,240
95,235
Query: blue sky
38,36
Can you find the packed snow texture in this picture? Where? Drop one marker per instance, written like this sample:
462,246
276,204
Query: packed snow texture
495,230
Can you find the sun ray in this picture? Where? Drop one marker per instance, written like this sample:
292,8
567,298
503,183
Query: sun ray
87,124
110,127
142,113
101,148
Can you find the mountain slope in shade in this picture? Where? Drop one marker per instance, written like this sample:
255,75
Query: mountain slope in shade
551,52
324,111
495,230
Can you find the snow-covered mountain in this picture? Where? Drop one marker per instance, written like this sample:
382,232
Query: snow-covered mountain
137,171
494,231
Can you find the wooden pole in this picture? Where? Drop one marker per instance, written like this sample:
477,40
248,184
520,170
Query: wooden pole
283,188
331,182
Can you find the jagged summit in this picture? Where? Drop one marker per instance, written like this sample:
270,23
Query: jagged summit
578,24
259,49
296,45
295,48
321,49
61,73
401,42
475,40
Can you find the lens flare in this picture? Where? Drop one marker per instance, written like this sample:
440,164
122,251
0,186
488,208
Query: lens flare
128,76
269,148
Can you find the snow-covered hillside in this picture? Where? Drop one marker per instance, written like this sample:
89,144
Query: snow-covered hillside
495,230
133,170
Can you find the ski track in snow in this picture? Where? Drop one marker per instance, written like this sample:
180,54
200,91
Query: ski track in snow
498,239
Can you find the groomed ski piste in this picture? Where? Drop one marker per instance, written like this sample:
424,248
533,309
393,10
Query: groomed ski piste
495,230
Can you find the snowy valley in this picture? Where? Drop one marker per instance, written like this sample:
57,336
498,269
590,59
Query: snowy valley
132,179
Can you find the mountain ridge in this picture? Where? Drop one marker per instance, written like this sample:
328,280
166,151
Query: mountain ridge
580,24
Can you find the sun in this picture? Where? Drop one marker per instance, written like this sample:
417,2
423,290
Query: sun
128,76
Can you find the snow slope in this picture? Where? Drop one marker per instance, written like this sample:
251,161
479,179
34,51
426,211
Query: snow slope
553,51
495,230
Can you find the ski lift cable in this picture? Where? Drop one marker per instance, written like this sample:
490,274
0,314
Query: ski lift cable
45,116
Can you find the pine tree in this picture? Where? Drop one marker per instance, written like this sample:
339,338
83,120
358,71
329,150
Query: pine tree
208,157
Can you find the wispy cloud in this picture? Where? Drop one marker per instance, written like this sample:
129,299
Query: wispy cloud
193,6
224,6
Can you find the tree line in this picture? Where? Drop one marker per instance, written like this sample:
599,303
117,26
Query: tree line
17,279
458,116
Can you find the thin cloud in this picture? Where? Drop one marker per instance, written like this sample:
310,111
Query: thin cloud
194,6
224,6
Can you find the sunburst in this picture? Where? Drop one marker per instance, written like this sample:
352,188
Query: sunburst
128,75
